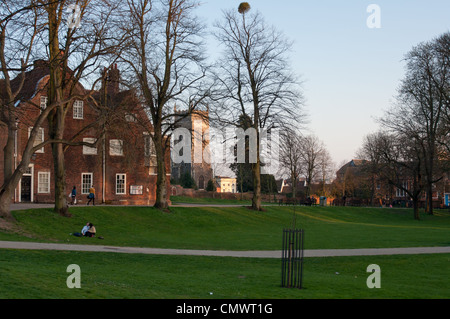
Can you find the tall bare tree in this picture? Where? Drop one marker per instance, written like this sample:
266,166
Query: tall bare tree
290,157
79,35
50,31
254,79
422,100
372,154
400,163
311,149
166,58
19,31
325,170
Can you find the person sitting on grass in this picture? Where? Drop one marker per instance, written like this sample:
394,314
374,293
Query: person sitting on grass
91,232
85,229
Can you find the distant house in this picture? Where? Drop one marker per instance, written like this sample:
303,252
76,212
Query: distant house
122,167
285,186
226,184
355,183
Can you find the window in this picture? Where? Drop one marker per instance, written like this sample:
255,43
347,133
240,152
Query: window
400,191
44,183
39,138
87,179
130,118
115,148
78,110
44,101
89,150
149,151
121,181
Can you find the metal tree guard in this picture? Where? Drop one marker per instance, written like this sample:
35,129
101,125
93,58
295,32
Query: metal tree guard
292,257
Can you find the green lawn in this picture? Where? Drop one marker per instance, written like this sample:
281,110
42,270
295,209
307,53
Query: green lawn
191,200
42,274
38,274
237,228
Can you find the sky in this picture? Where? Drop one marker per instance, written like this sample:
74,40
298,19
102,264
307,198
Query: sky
350,72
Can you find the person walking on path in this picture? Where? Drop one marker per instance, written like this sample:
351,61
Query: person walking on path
73,196
91,196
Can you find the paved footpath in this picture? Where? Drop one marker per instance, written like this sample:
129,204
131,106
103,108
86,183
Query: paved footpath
238,254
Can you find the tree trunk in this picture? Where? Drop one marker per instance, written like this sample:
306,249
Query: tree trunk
8,154
256,200
429,199
161,183
5,202
56,117
416,208
61,206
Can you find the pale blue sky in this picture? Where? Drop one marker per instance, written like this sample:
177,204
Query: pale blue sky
350,71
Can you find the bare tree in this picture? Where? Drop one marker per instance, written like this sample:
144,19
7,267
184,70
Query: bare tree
19,30
75,48
166,58
290,157
254,79
42,30
372,154
311,149
422,101
325,169
401,164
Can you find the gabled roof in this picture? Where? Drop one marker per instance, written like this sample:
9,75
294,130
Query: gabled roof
355,163
31,84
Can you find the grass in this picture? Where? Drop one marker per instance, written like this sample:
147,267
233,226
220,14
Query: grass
237,228
42,274
39,274
216,201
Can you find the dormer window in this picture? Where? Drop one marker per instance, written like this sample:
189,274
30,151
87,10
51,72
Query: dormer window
78,110
43,103
130,118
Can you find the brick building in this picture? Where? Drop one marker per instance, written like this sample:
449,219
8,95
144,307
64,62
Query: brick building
122,166
355,182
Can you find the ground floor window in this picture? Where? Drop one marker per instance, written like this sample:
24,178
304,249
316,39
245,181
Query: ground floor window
121,181
87,180
44,182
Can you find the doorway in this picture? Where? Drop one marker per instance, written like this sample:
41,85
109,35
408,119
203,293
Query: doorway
201,182
25,196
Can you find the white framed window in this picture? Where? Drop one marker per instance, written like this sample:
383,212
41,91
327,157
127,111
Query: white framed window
39,138
121,182
149,151
43,102
87,180
400,191
116,147
43,182
89,150
78,110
